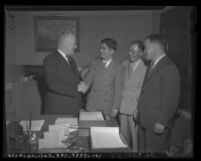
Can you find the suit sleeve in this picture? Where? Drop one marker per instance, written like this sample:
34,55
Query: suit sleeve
170,92
118,87
54,81
88,79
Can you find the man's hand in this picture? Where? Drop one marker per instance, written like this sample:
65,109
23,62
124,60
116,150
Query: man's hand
159,128
136,114
185,114
82,87
114,113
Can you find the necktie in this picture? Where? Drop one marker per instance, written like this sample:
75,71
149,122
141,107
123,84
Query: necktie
70,62
151,67
104,64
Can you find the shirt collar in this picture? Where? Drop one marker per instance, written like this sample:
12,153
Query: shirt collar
63,54
137,62
158,59
107,62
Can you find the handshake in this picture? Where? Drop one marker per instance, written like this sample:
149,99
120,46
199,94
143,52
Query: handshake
82,87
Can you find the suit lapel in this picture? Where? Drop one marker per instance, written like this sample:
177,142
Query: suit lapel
75,70
62,60
67,66
156,68
137,74
111,65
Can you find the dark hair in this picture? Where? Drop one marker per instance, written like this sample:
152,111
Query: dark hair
111,43
156,38
139,44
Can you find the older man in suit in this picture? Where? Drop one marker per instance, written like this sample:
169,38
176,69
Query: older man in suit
134,72
159,96
62,78
105,77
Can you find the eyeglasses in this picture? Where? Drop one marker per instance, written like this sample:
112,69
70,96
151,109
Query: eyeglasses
134,52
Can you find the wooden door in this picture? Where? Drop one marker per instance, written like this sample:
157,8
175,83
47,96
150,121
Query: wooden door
176,28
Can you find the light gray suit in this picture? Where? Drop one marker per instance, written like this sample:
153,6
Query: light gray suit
128,109
106,86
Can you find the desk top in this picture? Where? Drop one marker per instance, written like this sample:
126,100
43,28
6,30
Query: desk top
81,143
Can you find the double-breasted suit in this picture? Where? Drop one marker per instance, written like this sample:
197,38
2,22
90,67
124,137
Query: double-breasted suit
133,81
106,86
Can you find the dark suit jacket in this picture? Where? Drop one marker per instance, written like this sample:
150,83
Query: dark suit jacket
62,79
160,94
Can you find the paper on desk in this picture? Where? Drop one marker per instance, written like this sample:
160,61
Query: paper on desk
36,125
91,116
69,120
52,140
106,137
62,128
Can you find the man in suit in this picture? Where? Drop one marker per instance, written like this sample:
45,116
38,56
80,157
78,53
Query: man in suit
62,79
134,72
159,96
105,77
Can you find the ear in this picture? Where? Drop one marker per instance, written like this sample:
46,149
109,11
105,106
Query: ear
112,51
157,47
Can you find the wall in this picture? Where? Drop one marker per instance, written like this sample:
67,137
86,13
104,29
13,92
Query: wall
9,67
124,26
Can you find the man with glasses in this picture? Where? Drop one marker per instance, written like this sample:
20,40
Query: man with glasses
134,72
105,79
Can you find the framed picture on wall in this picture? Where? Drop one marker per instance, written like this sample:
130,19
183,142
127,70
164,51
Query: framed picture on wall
48,28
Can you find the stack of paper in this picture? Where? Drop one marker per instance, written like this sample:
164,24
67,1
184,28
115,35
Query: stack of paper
85,116
106,137
36,125
72,121
54,137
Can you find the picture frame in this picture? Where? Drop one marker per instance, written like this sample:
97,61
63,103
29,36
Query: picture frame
48,28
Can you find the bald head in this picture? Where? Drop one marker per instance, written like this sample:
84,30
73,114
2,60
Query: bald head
67,43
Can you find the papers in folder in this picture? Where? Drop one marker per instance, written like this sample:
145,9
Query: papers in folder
106,137
84,116
36,125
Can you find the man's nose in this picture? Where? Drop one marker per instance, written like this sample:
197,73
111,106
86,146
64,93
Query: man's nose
129,53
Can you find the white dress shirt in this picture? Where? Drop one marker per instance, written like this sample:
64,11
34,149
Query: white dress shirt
157,60
63,55
135,65
107,63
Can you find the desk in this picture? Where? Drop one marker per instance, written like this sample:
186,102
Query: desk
82,141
